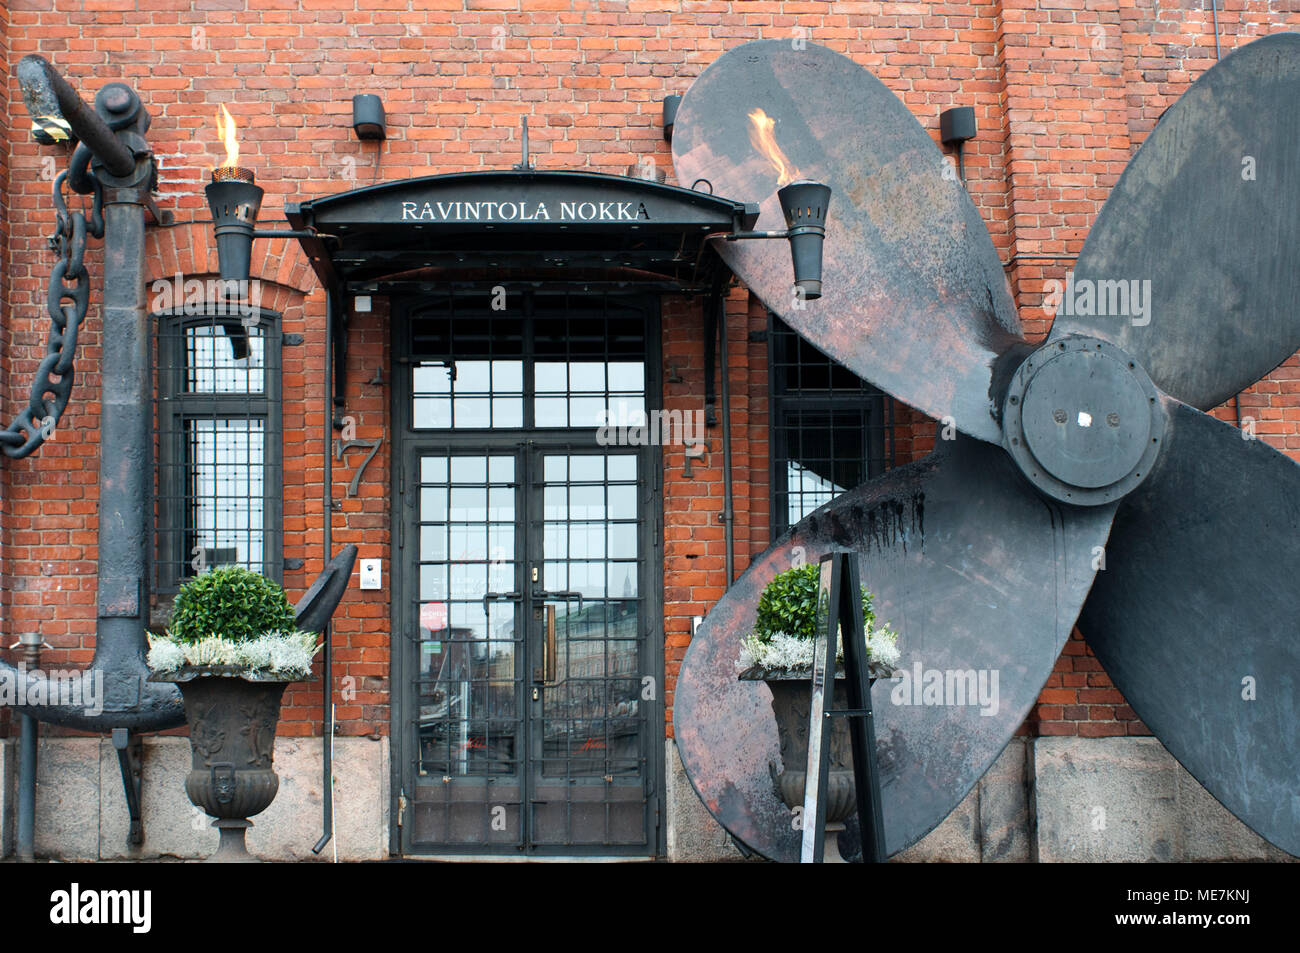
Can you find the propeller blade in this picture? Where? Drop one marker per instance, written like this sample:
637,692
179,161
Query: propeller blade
1194,258
1194,616
318,603
976,572
914,296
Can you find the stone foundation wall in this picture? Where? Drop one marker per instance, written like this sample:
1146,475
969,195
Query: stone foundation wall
81,809
1045,799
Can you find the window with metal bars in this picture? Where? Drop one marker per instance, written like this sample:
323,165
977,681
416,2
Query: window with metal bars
563,361
219,444
831,430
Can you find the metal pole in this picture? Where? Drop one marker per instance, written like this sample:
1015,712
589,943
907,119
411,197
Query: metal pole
728,504
862,728
26,847
31,643
327,689
126,465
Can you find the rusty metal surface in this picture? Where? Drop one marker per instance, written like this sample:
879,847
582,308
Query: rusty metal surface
1207,212
974,570
1193,615
914,296
47,93
1198,597
117,675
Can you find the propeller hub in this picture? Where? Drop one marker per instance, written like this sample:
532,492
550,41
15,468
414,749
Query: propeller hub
1083,421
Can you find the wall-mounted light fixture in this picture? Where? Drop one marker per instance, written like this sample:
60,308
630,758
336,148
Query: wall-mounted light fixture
670,115
235,200
804,204
957,126
368,116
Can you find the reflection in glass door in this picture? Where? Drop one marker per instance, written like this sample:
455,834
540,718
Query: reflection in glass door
589,747
525,708
469,737
530,730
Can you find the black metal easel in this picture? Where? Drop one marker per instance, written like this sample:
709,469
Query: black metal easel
839,601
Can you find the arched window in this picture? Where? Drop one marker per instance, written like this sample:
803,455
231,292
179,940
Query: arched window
219,481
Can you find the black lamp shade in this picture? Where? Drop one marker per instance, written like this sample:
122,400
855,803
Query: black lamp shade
234,206
670,115
957,125
368,116
803,204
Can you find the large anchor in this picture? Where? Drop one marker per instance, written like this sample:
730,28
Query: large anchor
113,162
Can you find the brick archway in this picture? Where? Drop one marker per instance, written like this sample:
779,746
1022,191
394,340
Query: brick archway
191,251
288,289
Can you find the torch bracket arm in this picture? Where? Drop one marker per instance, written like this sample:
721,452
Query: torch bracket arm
290,233
746,236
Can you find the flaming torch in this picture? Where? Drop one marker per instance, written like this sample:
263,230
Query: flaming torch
235,201
803,203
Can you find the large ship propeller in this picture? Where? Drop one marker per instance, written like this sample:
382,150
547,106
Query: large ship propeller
983,555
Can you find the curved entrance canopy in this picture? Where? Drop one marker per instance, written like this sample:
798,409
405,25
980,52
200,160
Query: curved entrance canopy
519,223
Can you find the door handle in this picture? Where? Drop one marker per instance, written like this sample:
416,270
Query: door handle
549,671
545,674
564,596
500,597
549,662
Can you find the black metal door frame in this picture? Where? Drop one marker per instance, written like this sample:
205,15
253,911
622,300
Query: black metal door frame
527,446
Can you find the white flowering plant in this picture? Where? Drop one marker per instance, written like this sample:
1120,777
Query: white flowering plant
234,618
284,656
786,622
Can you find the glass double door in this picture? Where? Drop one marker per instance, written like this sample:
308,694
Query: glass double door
531,702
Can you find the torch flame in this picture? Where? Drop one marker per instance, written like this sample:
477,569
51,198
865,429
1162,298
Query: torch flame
226,132
761,134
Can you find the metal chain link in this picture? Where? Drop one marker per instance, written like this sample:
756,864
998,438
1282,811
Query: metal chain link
67,301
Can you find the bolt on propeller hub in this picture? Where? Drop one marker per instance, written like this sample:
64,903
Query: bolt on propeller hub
1083,421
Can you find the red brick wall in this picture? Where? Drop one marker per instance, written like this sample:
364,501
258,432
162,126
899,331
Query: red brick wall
694,534
4,291
1064,92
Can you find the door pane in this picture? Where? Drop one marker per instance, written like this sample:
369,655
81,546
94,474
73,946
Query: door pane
469,682
467,395
590,738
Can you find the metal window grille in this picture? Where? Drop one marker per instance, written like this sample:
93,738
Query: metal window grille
831,430
219,444
562,362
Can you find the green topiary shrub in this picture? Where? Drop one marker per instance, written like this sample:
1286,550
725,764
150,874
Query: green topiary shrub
786,625
231,603
788,604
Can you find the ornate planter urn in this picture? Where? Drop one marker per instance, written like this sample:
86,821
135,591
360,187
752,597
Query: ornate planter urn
232,717
792,705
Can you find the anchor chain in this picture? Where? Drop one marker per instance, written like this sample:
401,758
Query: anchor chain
67,301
